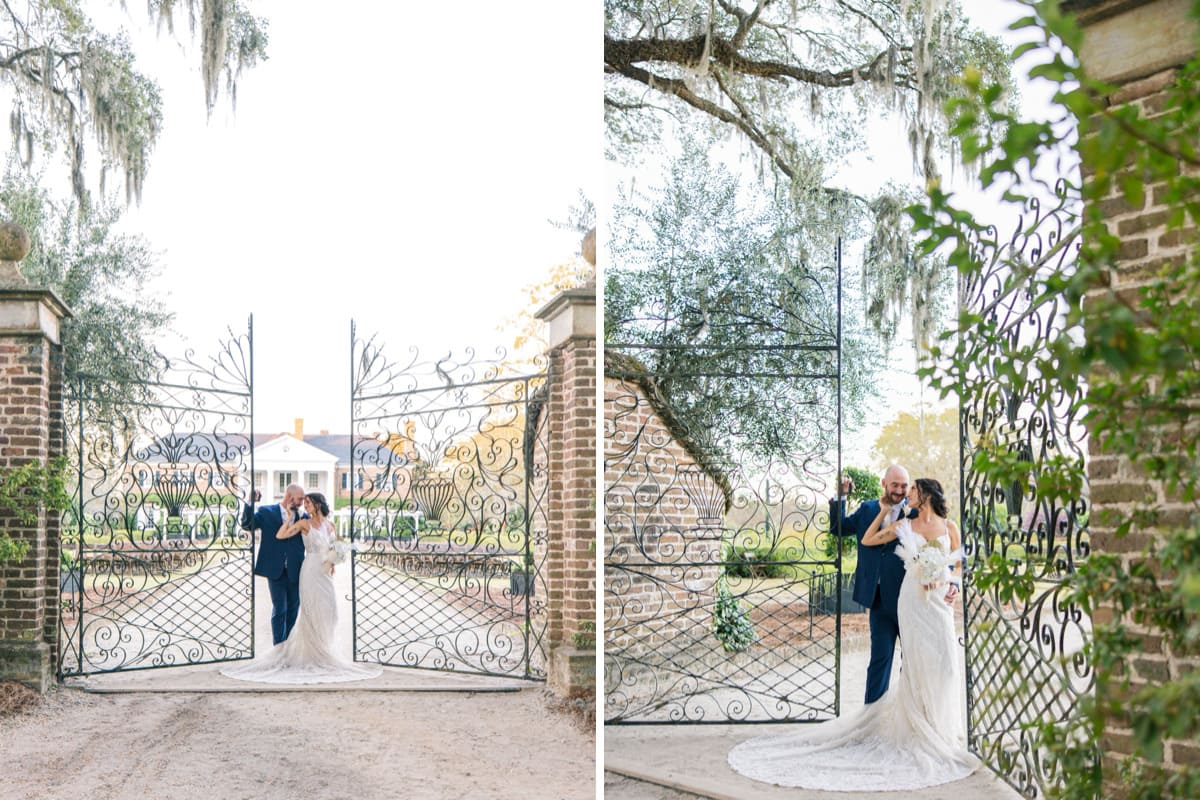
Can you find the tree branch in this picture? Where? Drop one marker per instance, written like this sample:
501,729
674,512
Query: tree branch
745,21
688,52
679,89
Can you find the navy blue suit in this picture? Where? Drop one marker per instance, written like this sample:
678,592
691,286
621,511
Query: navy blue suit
279,562
877,581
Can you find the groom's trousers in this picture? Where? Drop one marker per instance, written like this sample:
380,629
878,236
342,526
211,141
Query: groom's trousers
885,630
285,603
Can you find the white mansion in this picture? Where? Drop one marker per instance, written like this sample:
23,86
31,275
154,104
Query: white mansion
319,462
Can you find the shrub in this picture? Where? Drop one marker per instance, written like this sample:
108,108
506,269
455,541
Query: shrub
731,622
759,562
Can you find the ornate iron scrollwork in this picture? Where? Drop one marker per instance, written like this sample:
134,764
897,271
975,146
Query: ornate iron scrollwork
450,520
156,571
1024,662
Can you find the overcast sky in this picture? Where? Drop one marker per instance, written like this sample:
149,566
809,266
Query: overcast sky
392,162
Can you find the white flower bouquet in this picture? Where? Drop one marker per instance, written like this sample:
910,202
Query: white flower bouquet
338,552
929,559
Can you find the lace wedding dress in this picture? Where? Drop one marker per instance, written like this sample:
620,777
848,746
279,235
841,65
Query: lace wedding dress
912,737
307,655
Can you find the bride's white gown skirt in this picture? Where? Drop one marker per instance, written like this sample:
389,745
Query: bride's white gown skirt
914,736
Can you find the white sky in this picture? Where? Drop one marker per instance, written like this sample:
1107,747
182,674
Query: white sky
392,162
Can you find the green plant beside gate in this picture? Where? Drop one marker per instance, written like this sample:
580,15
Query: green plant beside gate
23,491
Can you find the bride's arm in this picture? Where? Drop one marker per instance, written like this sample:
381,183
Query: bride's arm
876,536
299,526
955,543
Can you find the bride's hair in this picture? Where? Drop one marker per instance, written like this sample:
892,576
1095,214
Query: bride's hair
318,500
931,491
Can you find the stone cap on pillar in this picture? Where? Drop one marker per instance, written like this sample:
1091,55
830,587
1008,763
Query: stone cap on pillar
25,309
571,315
1116,33
32,310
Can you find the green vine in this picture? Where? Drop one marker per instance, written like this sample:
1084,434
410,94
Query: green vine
23,490
1137,352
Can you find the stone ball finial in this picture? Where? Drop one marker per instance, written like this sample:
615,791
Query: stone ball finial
14,242
14,246
588,247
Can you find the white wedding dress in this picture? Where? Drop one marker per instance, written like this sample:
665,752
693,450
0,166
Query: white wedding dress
307,655
912,737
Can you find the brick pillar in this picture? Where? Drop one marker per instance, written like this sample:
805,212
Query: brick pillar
570,566
32,431
1115,49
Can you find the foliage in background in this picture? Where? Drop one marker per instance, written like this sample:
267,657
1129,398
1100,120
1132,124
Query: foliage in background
926,444
100,273
798,84
721,277
529,332
73,85
757,562
1139,352
23,490
867,486
788,76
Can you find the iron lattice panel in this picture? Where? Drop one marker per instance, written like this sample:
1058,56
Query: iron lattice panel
448,514
1024,658
721,444
155,570
673,551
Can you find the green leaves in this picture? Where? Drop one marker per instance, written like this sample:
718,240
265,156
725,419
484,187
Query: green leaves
26,492
1137,352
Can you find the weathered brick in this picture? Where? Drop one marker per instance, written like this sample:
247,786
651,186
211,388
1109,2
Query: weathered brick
1142,223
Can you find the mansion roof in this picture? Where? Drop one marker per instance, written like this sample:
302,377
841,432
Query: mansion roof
198,446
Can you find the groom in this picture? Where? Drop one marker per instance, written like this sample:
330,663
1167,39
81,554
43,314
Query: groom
279,560
879,572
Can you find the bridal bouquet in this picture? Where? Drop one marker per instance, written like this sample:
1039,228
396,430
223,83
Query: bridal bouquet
338,552
929,559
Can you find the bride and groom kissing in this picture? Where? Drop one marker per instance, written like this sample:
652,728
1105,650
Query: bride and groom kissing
907,736
296,554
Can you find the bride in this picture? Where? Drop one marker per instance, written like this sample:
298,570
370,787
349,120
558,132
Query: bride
914,736
307,655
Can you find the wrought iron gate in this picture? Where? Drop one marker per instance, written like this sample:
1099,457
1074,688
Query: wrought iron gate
156,571
722,439
448,512
1023,657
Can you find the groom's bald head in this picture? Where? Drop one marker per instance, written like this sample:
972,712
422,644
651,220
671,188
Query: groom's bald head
895,483
293,496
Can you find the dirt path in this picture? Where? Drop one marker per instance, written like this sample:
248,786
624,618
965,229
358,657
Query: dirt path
281,746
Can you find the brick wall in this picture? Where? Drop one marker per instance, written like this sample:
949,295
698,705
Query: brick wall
652,524
567,552
1115,37
1116,484
31,407
572,490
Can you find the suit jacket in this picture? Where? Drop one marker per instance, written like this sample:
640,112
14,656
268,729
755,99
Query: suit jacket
274,555
880,571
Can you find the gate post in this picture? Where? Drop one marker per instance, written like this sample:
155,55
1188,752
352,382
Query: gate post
570,565
31,405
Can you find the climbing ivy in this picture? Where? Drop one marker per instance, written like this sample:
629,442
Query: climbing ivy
23,490
1137,353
